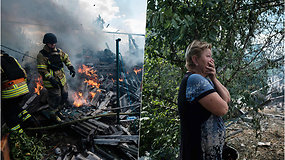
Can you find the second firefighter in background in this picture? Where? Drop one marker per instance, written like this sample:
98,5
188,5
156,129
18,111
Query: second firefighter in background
50,66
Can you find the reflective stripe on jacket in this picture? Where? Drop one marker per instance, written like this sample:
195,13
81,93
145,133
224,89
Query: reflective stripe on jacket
14,90
46,72
13,83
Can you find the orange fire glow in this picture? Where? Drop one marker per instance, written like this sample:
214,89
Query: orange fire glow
120,79
92,83
87,70
137,70
78,99
39,86
92,94
91,79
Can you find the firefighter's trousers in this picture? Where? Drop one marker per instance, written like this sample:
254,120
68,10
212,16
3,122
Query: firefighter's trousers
57,97
10,110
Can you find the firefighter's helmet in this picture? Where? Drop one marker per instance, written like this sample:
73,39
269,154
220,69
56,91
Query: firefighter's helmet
49,38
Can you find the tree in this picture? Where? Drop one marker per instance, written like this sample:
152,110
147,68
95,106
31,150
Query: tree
247,43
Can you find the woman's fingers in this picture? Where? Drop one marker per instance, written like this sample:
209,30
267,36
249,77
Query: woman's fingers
212,64
210,68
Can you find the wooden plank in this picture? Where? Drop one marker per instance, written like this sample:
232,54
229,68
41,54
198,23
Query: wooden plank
92,156
107,141
120,137
99,124
128,148
125,130
80,131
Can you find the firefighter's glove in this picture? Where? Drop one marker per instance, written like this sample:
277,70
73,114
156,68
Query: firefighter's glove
72,71
54,82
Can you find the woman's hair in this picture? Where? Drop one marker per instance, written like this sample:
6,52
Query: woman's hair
195,48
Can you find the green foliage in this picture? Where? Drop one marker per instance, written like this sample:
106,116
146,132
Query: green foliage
160,125
246,38
24,147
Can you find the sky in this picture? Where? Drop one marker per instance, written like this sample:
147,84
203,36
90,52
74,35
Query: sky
24,23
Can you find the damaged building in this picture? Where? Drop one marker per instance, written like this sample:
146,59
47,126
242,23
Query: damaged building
106,130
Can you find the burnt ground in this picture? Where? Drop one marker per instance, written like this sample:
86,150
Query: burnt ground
269,146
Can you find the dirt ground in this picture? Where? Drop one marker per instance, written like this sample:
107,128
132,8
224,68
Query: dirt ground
270,146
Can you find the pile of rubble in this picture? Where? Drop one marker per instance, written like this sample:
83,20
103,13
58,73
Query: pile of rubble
104,136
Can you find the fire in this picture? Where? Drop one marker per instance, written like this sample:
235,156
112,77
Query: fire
39,86
91,78
137,70
92,83
92,94
120,79
79,100
87,70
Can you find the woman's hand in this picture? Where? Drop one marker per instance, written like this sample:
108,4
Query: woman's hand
211,70
222,90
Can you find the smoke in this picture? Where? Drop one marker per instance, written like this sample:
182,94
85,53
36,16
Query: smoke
24,24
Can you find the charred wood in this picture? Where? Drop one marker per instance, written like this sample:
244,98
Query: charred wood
104,154
93,156
129,148
107,141
120,137
123,107
80,130
99,124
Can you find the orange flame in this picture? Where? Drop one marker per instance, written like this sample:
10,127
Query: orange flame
39,85
137,70
92,94
92,83
120,79
91,80
78,99
87,70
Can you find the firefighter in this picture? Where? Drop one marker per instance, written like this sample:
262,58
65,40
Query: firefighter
50,66
13,90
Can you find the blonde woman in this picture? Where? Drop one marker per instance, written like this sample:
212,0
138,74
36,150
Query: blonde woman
202,100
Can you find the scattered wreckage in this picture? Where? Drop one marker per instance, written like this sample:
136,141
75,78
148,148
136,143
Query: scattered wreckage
106,129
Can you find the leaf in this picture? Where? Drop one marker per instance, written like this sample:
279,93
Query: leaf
174,24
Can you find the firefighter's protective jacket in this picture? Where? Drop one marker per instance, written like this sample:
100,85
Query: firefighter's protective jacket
13,78
49,64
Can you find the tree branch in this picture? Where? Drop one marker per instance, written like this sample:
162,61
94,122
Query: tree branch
164,98
273,61
260,5
174,61
78,120
246,65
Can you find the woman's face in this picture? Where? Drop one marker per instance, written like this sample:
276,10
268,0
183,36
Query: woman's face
204,59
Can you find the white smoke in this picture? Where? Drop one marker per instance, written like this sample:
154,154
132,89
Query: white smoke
24,24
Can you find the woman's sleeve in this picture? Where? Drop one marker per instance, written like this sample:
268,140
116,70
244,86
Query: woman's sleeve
198,87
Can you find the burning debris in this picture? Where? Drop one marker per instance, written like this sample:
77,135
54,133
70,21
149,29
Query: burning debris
94,100
39,85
